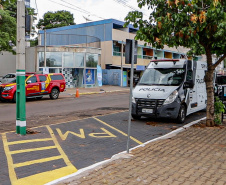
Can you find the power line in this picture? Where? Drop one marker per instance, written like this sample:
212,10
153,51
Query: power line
76,8
83,9
125,4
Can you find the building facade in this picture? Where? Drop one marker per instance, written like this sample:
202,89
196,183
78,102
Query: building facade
111,54
78,50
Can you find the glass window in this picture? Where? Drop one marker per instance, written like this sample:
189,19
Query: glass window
33,79
55,70
41,59
161,76
53,59
42,78
91,60
189,75
56,77
79,59
68,59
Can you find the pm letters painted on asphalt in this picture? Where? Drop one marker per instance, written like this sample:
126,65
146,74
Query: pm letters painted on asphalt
81,135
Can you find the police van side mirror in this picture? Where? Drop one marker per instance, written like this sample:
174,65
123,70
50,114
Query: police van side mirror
188,84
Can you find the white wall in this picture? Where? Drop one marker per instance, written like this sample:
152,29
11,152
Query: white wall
7,63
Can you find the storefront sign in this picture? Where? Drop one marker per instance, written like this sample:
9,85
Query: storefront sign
99,75
45,70
140,68
90,77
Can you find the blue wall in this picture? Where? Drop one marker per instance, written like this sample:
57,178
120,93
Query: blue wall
113,77
100,29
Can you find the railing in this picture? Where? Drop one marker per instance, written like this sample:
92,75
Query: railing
147,57
116,53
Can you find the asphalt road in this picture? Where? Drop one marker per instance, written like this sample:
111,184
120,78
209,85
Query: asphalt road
60,149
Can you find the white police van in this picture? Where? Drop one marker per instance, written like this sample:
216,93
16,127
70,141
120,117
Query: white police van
170,88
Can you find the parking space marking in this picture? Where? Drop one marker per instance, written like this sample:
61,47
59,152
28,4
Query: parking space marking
66,160
43,177
121,132
31,150
103,134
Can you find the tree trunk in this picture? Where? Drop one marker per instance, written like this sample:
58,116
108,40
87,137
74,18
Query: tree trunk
210,99
209,76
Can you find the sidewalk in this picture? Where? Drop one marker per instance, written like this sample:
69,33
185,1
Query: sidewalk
94,90
191,156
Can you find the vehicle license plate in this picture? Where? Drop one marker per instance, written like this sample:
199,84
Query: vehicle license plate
147,110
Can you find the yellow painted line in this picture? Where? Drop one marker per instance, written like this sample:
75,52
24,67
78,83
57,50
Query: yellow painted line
27,163
66,160
28,141
32,149
123,133
12,173
45,177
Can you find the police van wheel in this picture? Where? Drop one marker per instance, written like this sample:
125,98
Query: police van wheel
54,93
135,116
181,114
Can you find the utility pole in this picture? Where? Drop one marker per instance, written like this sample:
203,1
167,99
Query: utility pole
130,54
44,47
20,70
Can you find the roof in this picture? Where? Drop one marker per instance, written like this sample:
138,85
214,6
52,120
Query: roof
115,24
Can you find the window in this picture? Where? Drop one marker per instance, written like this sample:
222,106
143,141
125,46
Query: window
68,59
42,78
53,59
56,77
33,79
91,60
79,59
162,76
189,75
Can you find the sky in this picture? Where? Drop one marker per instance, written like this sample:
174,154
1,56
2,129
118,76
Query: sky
93,10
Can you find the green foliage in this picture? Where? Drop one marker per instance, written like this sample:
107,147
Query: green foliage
7,31
8,24
219,108
34,42
196,24
56,19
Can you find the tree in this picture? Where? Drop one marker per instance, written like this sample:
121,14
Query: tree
7,28
196,24
8,24
56,19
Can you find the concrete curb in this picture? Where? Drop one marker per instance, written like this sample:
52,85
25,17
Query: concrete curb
123,154
85,93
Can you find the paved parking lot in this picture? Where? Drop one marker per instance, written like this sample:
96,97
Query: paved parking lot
61,149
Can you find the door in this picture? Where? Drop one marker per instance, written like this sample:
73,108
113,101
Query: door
201,89
33,87
191,99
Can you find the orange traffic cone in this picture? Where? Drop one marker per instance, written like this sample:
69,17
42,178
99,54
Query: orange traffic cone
77,93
